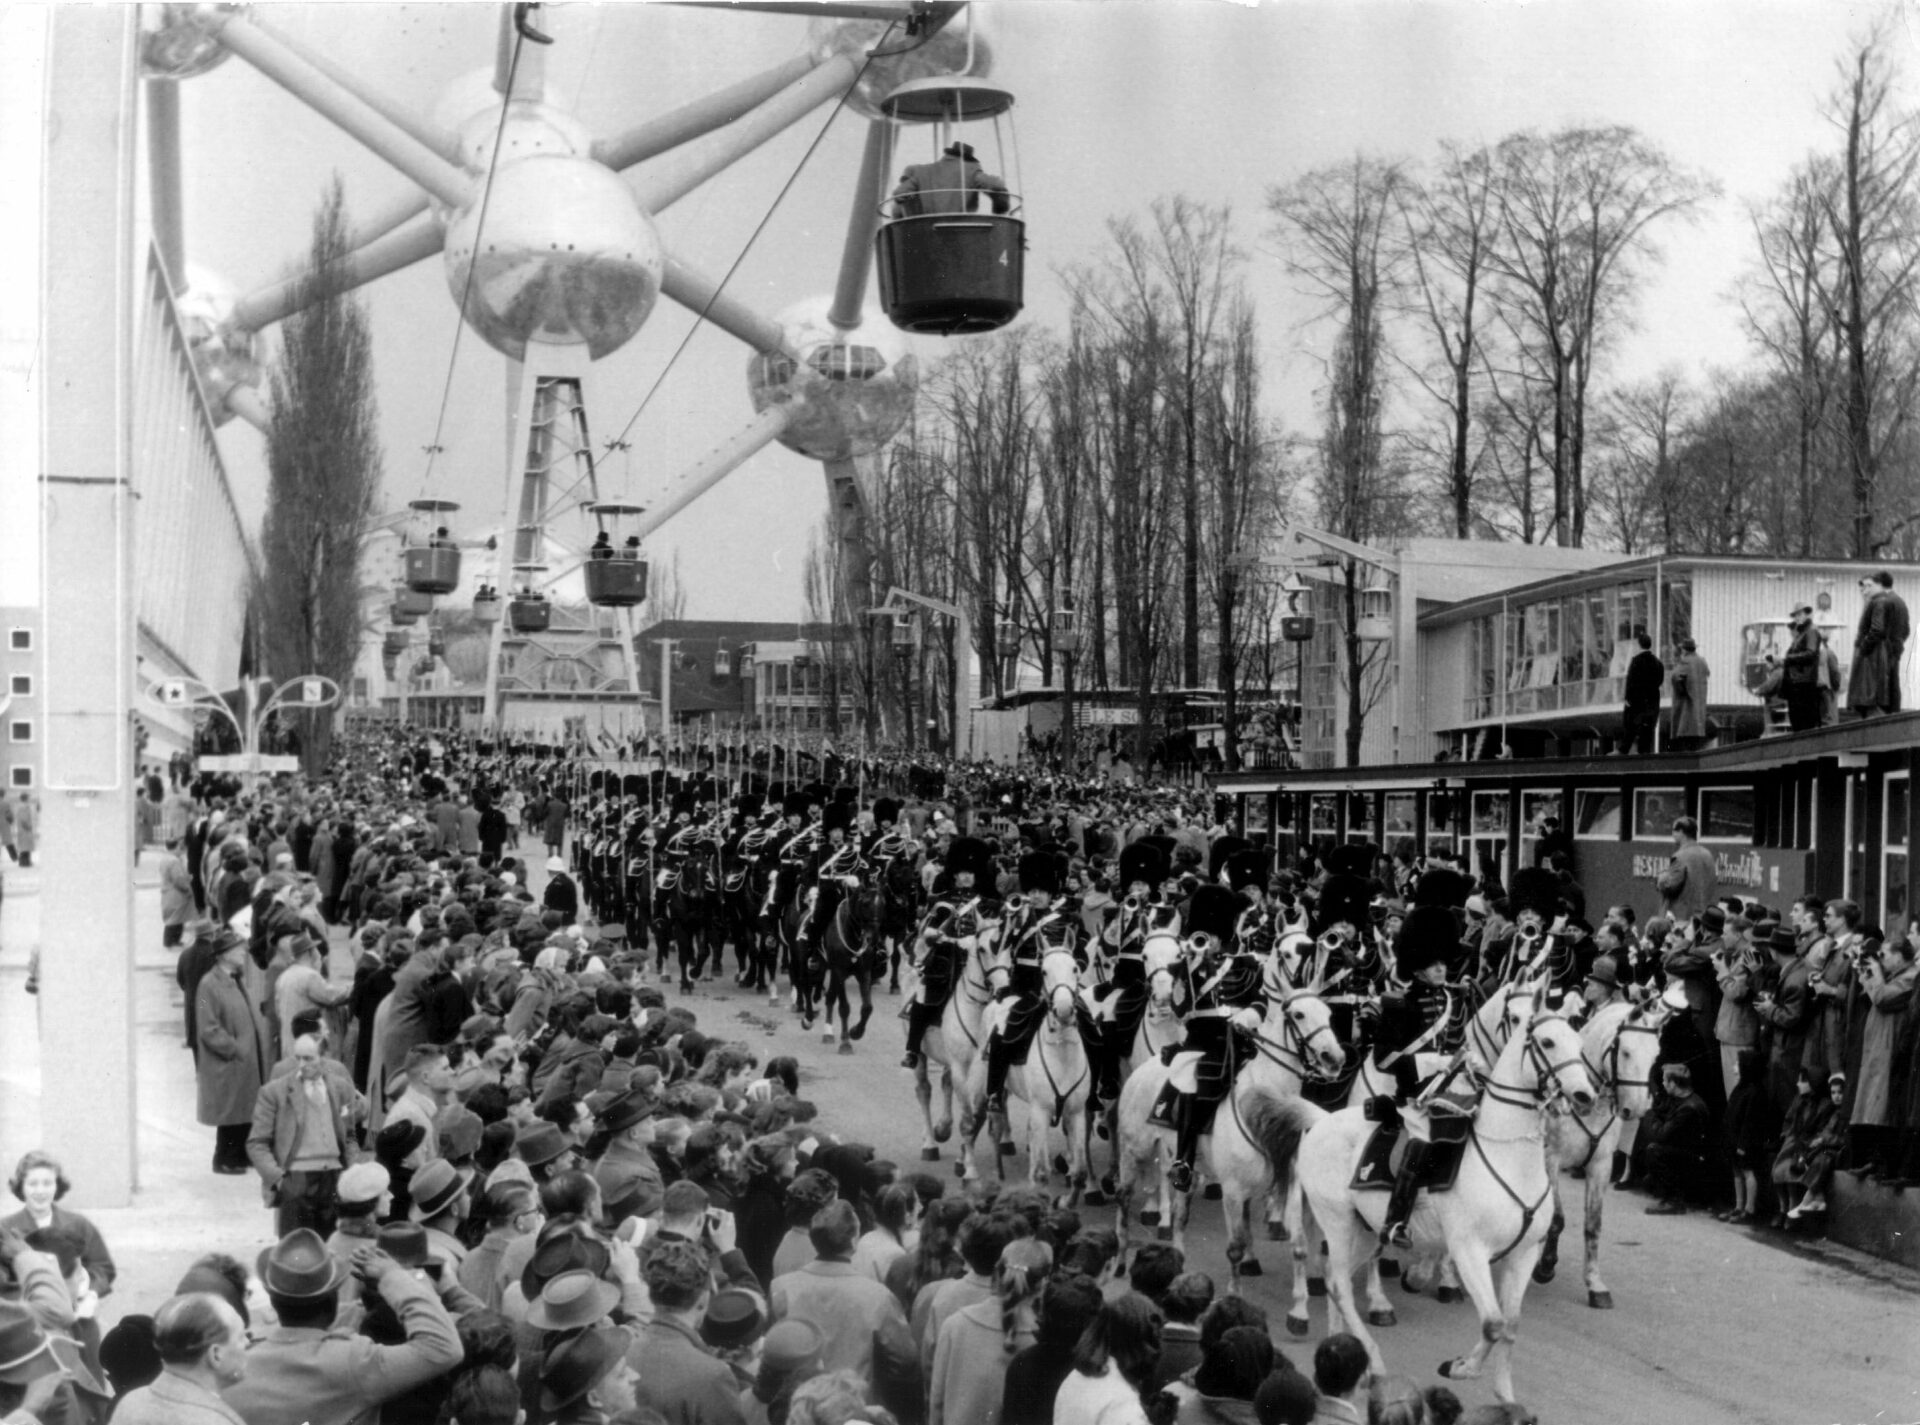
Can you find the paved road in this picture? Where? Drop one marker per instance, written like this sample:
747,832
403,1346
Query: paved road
1713,1324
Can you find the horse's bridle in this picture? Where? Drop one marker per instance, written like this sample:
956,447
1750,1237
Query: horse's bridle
1295,1045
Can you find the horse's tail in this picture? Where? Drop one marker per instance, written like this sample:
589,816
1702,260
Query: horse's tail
1276,1126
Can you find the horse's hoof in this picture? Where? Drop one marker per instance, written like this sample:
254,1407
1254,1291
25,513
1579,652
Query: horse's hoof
1163,1234
1389,1268
959,1170
1316,1286
1382,1318
941,1135
1447,1295
929,1155
1277,1232
1007,1150
1298,1326
1109,1184
1446,1369
1544,1272
845,1047
1093,1197
829,1037
1250,1267
1149,1217
1060,1164
1211,1192
1600,1300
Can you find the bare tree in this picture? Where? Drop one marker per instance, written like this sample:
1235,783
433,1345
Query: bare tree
324,464
1637,497
1576,209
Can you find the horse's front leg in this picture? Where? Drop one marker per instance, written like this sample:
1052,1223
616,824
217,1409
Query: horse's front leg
1596,1203
1305,1233
865,977
1238,1210
1476,1277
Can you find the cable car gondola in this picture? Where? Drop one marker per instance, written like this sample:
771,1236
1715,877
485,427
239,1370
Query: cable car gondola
529,611
947,268
411,603
393,644
486,605
432,566
616,576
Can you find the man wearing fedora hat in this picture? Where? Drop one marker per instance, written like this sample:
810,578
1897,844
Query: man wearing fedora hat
232,1060
1803,670
588,1378
628,1163
439,1192
952,183
42,1374
307,1372
303,1136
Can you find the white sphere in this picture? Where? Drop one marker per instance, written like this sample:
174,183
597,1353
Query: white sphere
849,391
224,356
945,53
565,257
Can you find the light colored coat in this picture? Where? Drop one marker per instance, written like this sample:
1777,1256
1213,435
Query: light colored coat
233,1050
846,1306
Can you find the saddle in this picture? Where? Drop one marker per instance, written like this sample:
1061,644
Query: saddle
1379,1161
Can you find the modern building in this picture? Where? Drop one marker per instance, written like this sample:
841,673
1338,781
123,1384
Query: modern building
771,677
20,722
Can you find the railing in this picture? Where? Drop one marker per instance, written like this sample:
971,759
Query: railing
194,561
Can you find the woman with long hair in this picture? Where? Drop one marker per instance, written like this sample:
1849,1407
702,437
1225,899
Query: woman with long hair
978,1342
896,1215
1112,1366
937,1256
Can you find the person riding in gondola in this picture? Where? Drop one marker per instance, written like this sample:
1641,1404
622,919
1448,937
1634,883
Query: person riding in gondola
1031,932
1143,867
1229,992
602,546
962,898
1419,1039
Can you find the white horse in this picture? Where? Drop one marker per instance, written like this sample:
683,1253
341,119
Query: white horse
954,1044
1248,1150
1162,1024
1620,1043
1493,1220
1055,1083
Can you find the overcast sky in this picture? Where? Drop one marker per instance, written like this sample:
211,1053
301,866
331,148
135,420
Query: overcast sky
1117,103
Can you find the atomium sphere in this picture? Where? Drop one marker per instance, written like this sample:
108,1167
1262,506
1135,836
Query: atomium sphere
182,41
223,356
565,257
472,96
849,391
945,53
470,109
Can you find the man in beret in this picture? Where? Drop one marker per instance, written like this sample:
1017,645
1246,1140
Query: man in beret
303,1135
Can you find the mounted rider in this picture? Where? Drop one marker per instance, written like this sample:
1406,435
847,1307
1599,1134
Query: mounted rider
835,868
962,898
1229,992
797,841
1539,937
1420,1039
1143,868
1036,928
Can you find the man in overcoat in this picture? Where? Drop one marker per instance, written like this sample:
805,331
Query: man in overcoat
232,1060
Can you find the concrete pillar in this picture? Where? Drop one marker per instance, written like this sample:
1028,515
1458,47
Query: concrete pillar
86,959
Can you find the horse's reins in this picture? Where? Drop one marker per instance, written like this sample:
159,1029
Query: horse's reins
1546,1087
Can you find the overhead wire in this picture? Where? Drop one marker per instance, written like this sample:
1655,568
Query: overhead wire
466,287
700,316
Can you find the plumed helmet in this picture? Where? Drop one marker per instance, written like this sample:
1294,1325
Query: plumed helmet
1428,936
1355,859
1142,861
1223,848
1215,911
1344,898
1537,889
1442,887
970,853
1040,871
1245,868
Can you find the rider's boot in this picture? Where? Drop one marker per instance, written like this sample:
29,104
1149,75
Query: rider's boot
1406,1187
1186,1142
997,1065
919,1019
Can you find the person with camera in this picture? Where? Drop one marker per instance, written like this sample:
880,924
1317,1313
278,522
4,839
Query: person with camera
303,1372
688,1215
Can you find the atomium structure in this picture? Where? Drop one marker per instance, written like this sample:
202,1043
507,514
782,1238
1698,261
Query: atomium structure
548,240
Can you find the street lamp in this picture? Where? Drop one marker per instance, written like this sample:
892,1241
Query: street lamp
309,692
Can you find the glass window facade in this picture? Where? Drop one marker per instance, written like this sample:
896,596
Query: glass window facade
1596,815
1654,811
1893,857
1569,651
1726,814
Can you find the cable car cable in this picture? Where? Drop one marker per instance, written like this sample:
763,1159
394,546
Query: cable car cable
753,237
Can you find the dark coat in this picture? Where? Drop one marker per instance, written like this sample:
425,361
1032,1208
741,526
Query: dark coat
1878,641
1646,679
562,895
1785,1023
232,1061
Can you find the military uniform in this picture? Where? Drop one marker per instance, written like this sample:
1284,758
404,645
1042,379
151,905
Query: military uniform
1143,866
1032,933
1227,988
956,913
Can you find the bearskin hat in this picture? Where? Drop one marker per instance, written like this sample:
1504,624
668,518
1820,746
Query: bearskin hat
1223,848
1040,871
1428,936
1215,911
886,811
1537,889
682,802
838,814
970,853
1354,859
749,804
1166,845
1142,861
1245,868
1344,898
1442,887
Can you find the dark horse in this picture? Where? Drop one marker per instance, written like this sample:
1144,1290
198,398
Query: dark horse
852,946
742,890
900,884
787,916
694,911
